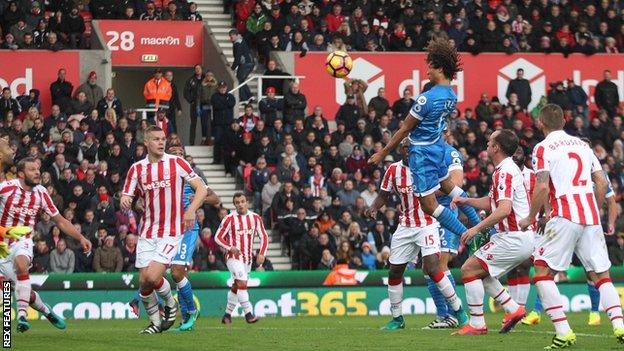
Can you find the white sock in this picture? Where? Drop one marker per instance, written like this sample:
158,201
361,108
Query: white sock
232,301
474,297
243,299
551,301
37,303
182,283
448,291
395,295
512,289
438,211
164,291
522,293
610,300
150,302
22,294
456,192
495,289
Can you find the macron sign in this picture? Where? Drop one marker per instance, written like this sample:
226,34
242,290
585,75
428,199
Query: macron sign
153,43
485,73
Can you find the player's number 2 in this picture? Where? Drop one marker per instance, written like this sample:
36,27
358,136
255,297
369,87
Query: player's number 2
577,181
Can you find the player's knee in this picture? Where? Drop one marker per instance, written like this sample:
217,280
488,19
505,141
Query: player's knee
241,284
471,268
178,273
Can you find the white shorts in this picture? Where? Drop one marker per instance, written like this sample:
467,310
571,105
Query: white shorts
23,247
562,238
161,250
239,270
505,251
407,242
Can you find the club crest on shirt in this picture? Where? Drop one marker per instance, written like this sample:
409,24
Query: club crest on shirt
421,100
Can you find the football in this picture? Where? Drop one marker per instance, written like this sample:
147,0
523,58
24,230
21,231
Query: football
338,64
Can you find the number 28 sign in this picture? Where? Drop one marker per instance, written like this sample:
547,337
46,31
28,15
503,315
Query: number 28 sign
149,43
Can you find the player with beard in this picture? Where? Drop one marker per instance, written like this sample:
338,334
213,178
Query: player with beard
21,202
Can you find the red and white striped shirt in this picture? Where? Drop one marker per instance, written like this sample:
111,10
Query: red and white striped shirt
160,185
238,231
570,163
398,178
22,207
529,181
508,184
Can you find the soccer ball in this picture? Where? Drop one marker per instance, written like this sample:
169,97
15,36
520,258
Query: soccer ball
338,64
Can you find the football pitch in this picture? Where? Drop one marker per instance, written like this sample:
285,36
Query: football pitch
304,333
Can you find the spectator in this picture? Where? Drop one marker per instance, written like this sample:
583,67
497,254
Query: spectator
521,87
172,13
270,107
157,91
223,115
294,105
61,91
80,105
356,161
244,63
150,13
61,259
231,140
349,113
41,258
8,104
606,95
348,195
108,101
402,106
248,120
308,246
369,260
559,96
213,263
192,95
175,108
578,98
128,253
269,190
335,18
208,88
193,14
72,31
327,262
108,257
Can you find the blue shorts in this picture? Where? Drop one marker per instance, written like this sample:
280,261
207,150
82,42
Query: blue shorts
428,167
184,257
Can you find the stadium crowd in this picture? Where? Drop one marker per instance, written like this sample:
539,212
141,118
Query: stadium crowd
311,184
475,26
58,25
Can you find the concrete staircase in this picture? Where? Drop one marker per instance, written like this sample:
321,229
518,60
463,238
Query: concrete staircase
220,24
225,189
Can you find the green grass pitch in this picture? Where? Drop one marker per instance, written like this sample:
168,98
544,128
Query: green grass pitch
304,333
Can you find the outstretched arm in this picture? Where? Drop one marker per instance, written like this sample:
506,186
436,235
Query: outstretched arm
408,124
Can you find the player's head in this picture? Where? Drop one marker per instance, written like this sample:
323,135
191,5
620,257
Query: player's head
551,117
519,156
404,149
155,140
240,202
443,60
28,171
177,150
502,142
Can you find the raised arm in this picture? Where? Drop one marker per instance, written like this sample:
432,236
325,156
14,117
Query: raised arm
408,124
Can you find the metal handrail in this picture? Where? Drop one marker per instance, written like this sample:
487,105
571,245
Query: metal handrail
144,111
260,78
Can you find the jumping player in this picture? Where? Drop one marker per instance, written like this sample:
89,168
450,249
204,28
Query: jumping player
449,243
510,246
21,201
425,125
236,236
159,181
565,167
417,232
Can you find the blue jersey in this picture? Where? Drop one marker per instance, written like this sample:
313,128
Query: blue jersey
187,198
453,159
431,109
